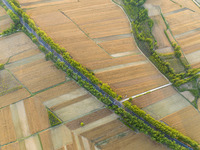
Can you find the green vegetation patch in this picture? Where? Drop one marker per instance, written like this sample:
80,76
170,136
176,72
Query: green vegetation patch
54,120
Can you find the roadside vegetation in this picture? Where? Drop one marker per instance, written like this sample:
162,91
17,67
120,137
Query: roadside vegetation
132,121
141,28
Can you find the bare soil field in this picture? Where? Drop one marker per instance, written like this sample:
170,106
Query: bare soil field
5,20
158,32
46,140
183,21
78,30
187,122
153,97
133,80
24,55
36,114
38,75
7,132
13,97
167,106
120,45
14,44
12,146
8,83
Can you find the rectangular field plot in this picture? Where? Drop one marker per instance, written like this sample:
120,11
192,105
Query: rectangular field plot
120,45
38,75
29,116
167,106
158,32
133,80
56,138
183,21
7,132
14,44
5,20
153,97
186,121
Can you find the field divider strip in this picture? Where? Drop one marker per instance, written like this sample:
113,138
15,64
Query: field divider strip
149,91
84,32
196,3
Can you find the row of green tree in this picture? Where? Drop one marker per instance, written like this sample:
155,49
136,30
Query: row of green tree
161,126
142,27
61,50
140,126
130,120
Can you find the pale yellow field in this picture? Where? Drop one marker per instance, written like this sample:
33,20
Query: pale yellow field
187,122
97,34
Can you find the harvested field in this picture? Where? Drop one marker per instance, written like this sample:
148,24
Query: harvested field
61,136
24,55
77,109
33,143
57,91
187,122
167,106
7,132
8,83
13,97
158,32
133,80
20,120
38,75
183,21
36,114
153,97
46,140
120,45
135,142
12,146
98,40
5,19
14,44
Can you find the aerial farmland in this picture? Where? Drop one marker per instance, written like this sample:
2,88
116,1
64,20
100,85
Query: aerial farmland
43,107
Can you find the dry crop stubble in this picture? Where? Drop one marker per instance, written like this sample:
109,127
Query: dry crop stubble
96,24
14,44
158,32
36,114
7,132
187,122
37,76
153,97
120,45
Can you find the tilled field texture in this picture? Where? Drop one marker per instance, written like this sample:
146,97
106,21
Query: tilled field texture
24,119
98,35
